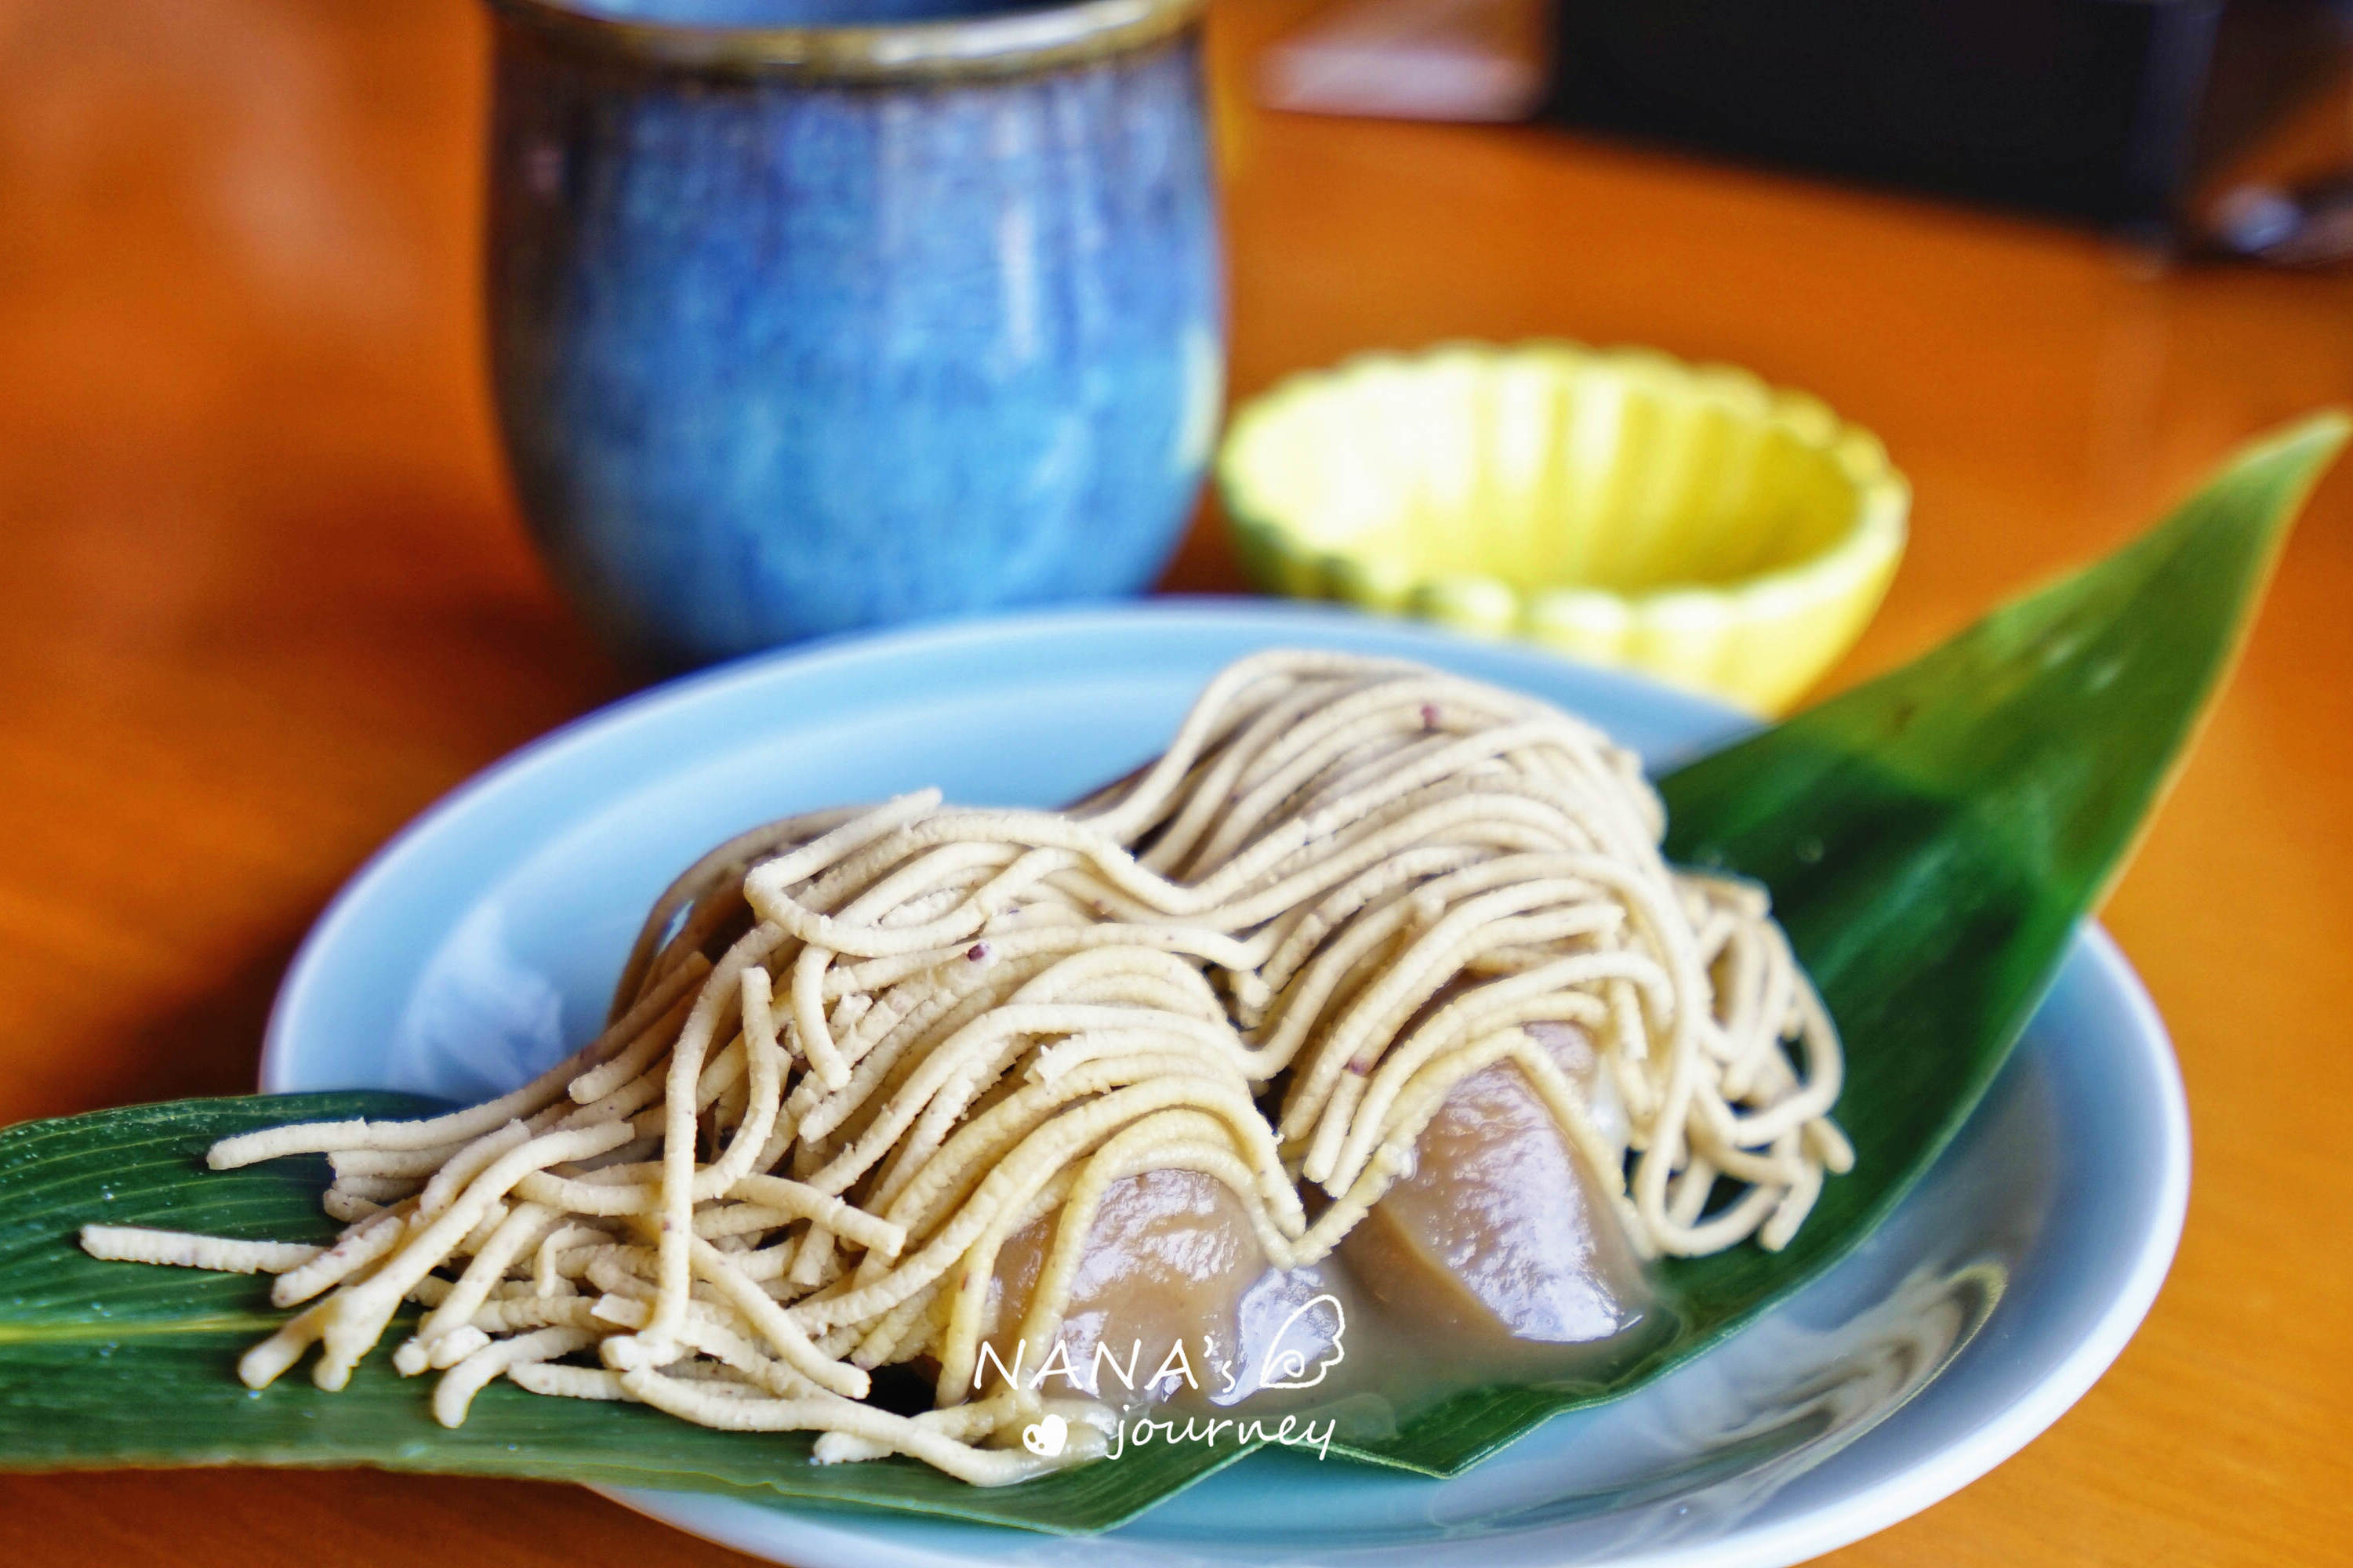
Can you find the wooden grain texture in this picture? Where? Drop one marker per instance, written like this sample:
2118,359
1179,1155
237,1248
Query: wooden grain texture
262,596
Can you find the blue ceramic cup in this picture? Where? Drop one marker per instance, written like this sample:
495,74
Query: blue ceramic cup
808,315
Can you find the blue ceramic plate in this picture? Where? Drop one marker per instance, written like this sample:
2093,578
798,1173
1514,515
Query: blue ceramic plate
482,942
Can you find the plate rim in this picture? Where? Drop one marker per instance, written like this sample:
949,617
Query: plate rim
507,769
1835,1523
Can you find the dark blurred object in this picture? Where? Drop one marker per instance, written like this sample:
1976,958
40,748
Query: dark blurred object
2307,225
2106,111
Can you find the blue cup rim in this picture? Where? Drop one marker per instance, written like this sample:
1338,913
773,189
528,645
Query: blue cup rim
1001,44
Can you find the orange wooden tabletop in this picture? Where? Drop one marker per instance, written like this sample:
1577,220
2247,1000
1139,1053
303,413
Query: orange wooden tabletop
263,596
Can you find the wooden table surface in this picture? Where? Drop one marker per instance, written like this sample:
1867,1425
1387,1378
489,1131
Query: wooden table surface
263,596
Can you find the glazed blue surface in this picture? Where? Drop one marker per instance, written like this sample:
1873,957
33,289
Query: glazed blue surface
777,358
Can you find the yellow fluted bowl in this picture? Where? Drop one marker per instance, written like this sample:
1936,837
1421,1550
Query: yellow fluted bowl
1621,506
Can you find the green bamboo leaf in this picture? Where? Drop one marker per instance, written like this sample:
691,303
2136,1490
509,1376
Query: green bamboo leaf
106,1365
1931,841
